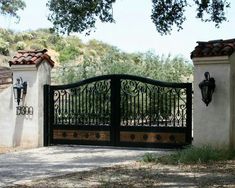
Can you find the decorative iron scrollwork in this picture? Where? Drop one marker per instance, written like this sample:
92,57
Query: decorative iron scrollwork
88,104
145,104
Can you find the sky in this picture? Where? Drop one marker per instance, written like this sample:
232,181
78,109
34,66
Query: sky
134,30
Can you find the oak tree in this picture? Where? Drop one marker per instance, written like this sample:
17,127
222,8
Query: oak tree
11,7
81,15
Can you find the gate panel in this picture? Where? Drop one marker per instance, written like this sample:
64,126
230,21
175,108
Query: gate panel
81,114
119,110
154,113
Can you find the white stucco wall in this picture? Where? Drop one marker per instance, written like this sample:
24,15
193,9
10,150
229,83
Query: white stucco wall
6,111
24,130
212,124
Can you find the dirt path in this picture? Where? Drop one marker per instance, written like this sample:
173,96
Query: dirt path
142,175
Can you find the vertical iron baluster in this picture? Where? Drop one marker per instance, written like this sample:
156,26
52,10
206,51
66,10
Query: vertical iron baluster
56,111
174,110
158,106
130,110
72,108
154,105
170,110
82,106
162,107
93,106
96,105
62,109
126,109
104,105
146,104
79,106
76,106
68,101
182,111
142,107
86,107
138,107
150,107
166,108
89,106
103,108
178,111
123,106
100,110
134,117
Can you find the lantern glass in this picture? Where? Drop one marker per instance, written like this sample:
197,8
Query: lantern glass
207,87
19,89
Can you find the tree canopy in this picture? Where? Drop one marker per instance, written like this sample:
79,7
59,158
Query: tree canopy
81,15
11,7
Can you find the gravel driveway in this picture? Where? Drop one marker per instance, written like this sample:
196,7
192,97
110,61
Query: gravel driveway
25,166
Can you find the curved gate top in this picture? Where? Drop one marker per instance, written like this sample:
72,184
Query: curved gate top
118,110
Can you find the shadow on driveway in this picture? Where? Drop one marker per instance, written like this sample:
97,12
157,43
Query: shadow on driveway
23,166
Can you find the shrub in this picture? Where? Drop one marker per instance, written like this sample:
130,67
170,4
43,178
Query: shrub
194,155
42,42
68,53
20,45
8,35
53,39
4,47
149,158
18,37
36,47
27,36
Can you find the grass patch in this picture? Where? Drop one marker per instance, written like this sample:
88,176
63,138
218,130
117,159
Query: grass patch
192,155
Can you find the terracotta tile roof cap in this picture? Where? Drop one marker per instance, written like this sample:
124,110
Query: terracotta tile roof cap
214,48
33,57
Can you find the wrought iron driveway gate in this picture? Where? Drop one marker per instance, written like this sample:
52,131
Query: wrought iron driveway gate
118,110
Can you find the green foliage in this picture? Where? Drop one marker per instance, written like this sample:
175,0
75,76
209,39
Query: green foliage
194,155
7,35
166,14
18,37
53,39
4,47
69,52
27,36
36,46
149,158
116,62
79,61
20,45
9,7
72,16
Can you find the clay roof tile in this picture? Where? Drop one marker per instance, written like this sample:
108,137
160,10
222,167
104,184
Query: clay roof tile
31,57
214,48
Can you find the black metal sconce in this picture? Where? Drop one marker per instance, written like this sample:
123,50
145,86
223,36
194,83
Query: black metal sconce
207,87
19,89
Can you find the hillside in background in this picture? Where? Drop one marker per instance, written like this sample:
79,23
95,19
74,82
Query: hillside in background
76,60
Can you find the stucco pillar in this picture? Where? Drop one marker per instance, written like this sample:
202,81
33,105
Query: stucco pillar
27,130
214,124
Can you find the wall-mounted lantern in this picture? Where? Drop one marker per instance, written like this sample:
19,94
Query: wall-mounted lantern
19,89
207,87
